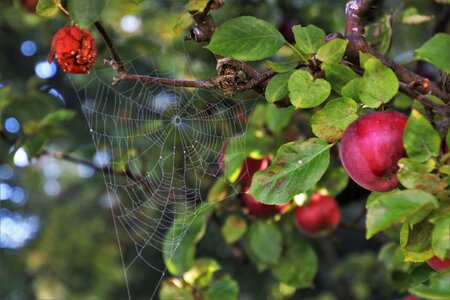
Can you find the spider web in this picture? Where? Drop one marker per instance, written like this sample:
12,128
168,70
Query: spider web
167,141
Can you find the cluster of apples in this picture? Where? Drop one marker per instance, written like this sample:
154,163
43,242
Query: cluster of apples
318,217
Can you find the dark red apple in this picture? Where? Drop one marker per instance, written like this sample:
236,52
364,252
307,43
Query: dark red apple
439,264
258,209
319,216
249,167
371,147
29,5
286,29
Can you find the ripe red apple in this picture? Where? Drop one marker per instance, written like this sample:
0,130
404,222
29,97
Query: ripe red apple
439,264
258,209
249,167
319,216
371,147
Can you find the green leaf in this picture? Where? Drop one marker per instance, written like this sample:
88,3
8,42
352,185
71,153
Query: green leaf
285,65
392,257
420,139
277,88
437,288
305,91
251,144
432,51
85,12
351,89
233,228
411,16
35,144
330,122
334,181
246,38
278,117
57,116
378,85
222,289
447,139
416,241
219,191
441,237
308,39
171,289
265,241
199,5
47,8
298,264
379,34
181,238
201,273
415,175
295,169
339,76
394,207
333,51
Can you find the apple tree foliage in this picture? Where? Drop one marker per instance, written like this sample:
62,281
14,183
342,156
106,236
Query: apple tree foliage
323,91
315,76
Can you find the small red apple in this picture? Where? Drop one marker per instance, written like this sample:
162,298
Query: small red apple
371,147
258,209
286,29
319,216
29,5
249,167
439,264
410,297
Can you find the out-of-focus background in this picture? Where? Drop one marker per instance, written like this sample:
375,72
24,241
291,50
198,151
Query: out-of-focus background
57,240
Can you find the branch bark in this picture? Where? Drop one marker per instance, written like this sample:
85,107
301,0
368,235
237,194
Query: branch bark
357,12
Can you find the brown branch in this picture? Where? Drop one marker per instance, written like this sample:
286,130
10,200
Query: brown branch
357,12
66,157
115,56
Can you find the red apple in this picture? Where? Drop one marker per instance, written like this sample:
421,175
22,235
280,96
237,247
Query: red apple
410,297
286,29
371,147
249,167
319,216
439,264
258,209
29,5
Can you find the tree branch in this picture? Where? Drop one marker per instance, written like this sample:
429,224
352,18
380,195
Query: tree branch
357,12
66,157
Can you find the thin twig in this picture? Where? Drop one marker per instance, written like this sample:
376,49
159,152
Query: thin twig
114,55
66,157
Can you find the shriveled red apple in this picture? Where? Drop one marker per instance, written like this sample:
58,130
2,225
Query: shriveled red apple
371,147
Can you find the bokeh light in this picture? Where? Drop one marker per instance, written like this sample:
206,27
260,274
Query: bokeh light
85,171
28,48
6,172
21,158
15,229
12,125
45,70
52,187
102,158
130,23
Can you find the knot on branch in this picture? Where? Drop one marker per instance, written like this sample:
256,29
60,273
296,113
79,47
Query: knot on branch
230,76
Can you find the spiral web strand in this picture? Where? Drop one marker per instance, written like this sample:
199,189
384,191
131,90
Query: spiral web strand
167,140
